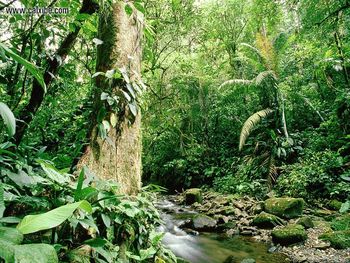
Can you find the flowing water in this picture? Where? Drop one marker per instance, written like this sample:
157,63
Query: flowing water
208,247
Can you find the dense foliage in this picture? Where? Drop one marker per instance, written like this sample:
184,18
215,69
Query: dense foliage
246,96
242,97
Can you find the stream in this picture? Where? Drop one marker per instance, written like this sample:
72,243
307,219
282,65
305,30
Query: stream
206,247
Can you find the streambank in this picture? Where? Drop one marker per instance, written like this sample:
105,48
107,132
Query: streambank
219,228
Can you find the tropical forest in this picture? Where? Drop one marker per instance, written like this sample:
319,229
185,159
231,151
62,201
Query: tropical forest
175,131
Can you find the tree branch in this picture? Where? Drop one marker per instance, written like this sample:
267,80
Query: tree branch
6,5
37,94
334,13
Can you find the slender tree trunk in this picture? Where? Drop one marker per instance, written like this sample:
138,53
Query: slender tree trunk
118,156
37,94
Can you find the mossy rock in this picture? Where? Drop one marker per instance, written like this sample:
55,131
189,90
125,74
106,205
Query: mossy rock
334,205
338,239
203,223
326,214
341,223
289,234
193,195
265,220
305,222
226,226
11,235
284,207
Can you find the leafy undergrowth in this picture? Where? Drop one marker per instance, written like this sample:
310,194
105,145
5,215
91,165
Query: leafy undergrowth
84,219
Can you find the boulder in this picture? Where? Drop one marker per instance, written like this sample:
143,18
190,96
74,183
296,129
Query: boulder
203,223
226,226
305,222
324,213
265,220
289,234
338,239
334,205
341,223
257,209
284,207
193,195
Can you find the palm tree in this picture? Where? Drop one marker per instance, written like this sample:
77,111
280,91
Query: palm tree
272,101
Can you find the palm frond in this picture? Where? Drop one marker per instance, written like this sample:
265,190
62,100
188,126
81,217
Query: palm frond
263,75
236,81
267,51
252,48
250,123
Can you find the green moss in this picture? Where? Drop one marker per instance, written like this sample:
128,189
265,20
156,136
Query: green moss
193,195
285,207
338,239
289,235
334,205
265,220
341,223
305,222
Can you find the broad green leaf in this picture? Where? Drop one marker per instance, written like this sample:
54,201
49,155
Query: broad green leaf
53,174
10,220
147,253
9,118
131,90
35,253
77,193
106,220
53,218
133,109
139,7
97,41
87,193
104,96
11,235
345,178
26,64
128,9
96,242
113,119
7,251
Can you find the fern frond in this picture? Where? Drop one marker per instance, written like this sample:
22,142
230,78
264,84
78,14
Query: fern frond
261,77
250,123
236,81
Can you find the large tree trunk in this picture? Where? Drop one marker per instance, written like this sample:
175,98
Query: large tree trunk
119,156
